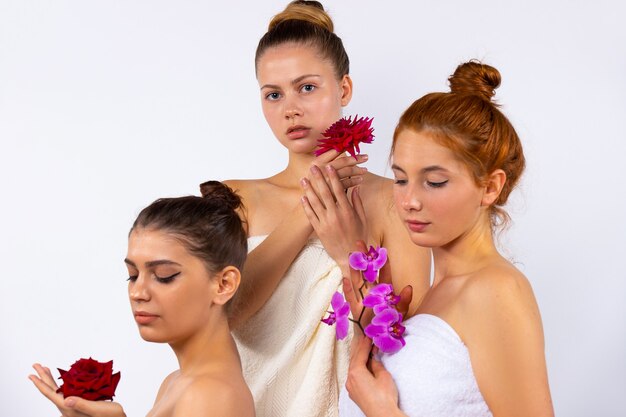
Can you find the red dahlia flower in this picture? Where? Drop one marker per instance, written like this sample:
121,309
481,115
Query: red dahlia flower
345,135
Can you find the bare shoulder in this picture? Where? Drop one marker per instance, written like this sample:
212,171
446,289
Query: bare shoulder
165,384
209,396
498,297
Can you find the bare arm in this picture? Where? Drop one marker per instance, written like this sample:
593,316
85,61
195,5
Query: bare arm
505,340
267,264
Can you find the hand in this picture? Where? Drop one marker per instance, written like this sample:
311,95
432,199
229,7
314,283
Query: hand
72,406
337,222
348,171
373,388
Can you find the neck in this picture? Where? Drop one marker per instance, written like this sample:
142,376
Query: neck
468,253
297,167
210,346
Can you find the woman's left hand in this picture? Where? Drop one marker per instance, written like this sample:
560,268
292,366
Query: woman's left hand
338,222
373,388
72,406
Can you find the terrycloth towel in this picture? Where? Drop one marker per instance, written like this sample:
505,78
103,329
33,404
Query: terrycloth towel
433,374
292,361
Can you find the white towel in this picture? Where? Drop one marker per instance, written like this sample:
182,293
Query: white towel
433,374
292,361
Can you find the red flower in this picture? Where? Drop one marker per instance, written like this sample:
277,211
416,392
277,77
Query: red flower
345,135
89,379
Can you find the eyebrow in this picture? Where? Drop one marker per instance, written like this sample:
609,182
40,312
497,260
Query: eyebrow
423,170
153,263
293,82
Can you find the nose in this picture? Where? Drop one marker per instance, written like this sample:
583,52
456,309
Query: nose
139,289
292,109
411,201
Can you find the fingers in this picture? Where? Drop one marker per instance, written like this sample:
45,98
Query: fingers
322,188
310,213
337,188
377,367
384,275
352,298
362,354
49,392
406,296
94,408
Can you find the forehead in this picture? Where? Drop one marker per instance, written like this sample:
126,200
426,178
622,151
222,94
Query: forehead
154,244
417,150
291,60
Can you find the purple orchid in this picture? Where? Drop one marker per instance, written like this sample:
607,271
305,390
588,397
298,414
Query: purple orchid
339,315
369,262
386,331
380,298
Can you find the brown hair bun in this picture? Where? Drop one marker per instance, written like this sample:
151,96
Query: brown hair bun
309,11
475,78
220,193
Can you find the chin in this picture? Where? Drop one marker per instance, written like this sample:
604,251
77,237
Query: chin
150,335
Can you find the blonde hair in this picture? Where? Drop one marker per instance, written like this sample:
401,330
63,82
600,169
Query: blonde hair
306,23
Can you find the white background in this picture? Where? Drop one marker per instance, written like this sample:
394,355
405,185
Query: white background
107,105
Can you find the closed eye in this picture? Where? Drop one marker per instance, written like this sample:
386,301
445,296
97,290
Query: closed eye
400,182
166,280
436,184
132,278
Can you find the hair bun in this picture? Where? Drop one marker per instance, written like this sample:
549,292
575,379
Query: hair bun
475,78
309,11
220,193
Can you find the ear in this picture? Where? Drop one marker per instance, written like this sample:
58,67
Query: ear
493,187
227,281
345,85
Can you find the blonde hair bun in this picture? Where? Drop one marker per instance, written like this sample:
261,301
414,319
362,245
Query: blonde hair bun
309,11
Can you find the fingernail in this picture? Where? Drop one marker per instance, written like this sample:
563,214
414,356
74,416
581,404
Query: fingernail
314,169
70,402
329,168
303,182
365,157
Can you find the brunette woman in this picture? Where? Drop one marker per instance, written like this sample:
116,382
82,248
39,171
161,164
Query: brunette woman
184,257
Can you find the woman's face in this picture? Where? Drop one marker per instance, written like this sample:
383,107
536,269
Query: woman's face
434,192
170,290
300,95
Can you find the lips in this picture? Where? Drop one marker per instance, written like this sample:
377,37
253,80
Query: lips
298,132
417,226
142,317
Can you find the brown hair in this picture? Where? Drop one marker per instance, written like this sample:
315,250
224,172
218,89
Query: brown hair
208,226
466,121
306,23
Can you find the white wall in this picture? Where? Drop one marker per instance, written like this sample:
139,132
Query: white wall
107,105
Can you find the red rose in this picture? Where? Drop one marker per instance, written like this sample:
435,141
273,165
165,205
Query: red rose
89,379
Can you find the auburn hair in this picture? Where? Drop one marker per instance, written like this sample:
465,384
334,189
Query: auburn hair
469,123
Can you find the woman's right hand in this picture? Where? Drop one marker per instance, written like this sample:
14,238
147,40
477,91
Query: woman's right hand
349,172
72,406
370,385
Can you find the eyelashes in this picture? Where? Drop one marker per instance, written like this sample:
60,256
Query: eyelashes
162,280
166,280
436,184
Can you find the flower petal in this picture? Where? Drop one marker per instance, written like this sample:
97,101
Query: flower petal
381,259
370,273
388,344
358,261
